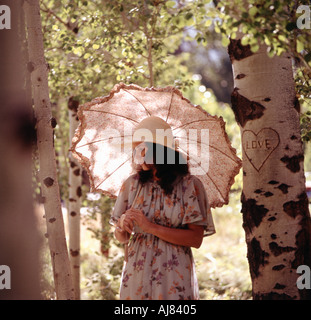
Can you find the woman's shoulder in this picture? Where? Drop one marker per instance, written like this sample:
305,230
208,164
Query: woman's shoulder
130,181
191,178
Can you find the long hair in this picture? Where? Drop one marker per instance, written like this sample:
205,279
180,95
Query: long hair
169,165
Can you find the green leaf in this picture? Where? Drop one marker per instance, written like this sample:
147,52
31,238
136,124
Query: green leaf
208,22
170,4
252,11
281,37
245,41
299,46
225,41
95,46
255,48
189,15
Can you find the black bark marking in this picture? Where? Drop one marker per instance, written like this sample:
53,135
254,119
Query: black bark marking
53,123
72,164
272,219
73,213
237,51
48,181
25,127
293,163
52,220
76,172
284,187
245,109
303,240
240,76
272,296
303,243
297,104
294,208
72,200
73,104
273,236
74,253
252,213
277,250
293,137
267,99
278,267
273,182
268,194
258,191
79,192
256,257
279,286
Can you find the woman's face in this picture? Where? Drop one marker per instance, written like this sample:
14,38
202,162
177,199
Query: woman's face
139,151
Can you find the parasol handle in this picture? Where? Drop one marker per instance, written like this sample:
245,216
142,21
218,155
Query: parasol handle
126,249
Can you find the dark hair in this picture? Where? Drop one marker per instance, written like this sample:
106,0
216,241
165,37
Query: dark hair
172,166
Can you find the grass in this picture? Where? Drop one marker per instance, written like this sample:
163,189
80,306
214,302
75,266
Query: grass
221,263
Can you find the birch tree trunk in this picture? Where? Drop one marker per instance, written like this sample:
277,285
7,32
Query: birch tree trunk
45,141
275,210
75,184
19,235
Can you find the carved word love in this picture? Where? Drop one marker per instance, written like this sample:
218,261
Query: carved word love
258,147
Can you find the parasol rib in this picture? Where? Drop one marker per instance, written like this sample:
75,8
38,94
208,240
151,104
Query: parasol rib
206,174
114,114
194,121
200,142
169,108
112,172
138,101
101,140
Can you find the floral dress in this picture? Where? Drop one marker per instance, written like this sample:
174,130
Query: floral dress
157,269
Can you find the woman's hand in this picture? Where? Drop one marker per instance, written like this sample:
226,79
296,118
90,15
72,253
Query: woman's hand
125,223
139,218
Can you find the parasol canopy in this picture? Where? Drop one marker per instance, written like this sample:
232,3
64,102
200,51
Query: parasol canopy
102,142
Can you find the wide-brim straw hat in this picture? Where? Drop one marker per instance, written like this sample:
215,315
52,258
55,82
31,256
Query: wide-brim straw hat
155,130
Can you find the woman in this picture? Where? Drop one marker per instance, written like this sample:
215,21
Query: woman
170,214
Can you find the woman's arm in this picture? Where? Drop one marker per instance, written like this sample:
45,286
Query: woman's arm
191,237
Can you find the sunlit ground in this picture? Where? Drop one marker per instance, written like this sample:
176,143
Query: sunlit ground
222,267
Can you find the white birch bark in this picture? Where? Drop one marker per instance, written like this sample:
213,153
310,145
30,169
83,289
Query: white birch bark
45,135
75,184
275,211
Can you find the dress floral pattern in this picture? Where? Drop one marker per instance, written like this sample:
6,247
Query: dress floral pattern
157,269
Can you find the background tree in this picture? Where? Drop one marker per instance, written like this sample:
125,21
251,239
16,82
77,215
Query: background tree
45,139
74,201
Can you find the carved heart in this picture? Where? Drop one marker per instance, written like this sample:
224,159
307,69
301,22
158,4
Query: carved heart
259,147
